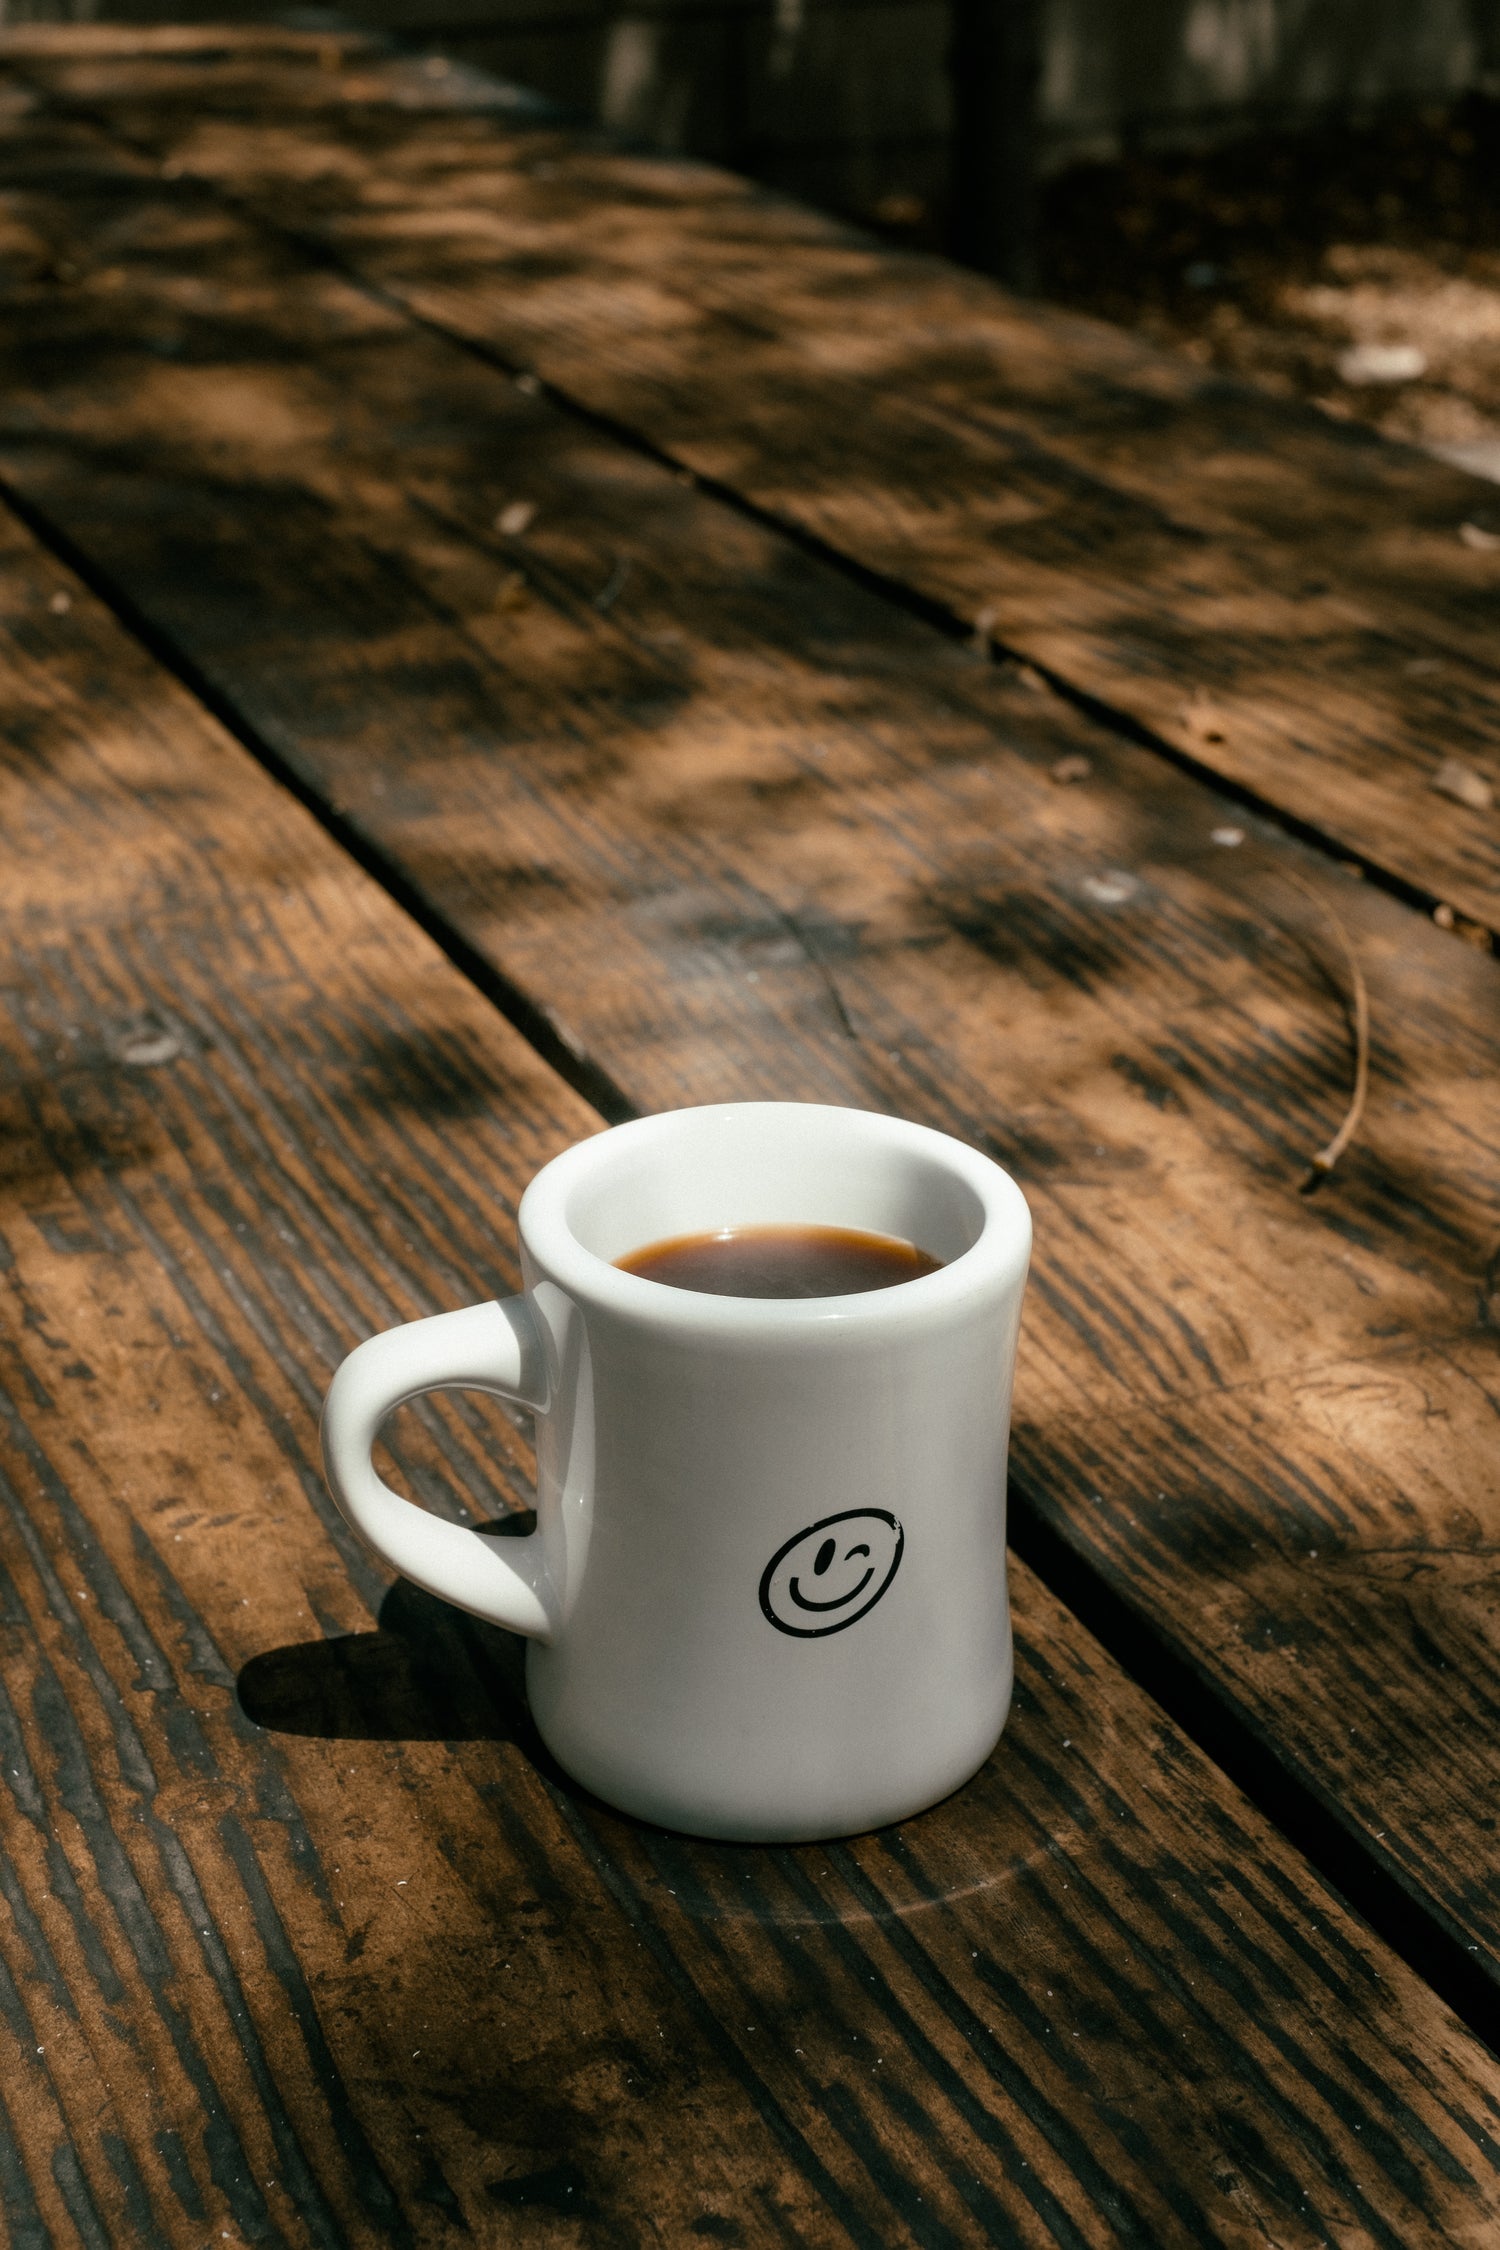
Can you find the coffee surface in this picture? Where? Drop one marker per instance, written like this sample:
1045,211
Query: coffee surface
780,1262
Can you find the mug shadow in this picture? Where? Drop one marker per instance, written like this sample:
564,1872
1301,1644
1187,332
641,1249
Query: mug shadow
428,1673
431,1673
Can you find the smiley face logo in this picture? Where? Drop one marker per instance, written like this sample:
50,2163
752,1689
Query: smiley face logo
832,1574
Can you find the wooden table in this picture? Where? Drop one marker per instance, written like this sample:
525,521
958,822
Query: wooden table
500,633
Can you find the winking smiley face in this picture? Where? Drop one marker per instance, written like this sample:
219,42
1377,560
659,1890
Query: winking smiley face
831,1574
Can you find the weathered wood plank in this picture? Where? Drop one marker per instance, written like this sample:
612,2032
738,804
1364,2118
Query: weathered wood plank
740,828
68,42
1284,599
307,1941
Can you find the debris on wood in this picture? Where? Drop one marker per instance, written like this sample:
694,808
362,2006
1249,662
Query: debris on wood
1472,933
984,629
145,1043
609,591
1203,720
1483,542
1382,363
1112,888
1466,787
516,517
1074,767
1028,676
1357,1006
1228,837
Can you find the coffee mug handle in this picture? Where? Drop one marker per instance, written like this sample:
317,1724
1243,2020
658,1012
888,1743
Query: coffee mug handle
494,1347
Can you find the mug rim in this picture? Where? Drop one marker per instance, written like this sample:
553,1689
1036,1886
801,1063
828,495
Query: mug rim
1001,1247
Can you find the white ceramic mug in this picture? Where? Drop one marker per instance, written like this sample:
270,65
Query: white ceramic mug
698,1655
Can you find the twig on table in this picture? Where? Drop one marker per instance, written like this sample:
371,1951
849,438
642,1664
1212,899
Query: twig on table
1357,1004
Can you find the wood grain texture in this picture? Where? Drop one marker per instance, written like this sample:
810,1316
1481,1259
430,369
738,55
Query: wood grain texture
305,1940
739,828
1282,598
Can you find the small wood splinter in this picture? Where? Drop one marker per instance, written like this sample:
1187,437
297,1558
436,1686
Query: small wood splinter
1357,1004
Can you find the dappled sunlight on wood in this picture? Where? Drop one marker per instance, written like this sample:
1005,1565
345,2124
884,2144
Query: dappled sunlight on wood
1057,427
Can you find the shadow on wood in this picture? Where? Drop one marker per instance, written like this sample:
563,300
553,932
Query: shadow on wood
428,1673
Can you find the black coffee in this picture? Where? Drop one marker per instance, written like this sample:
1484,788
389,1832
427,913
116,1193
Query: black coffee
780,1262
